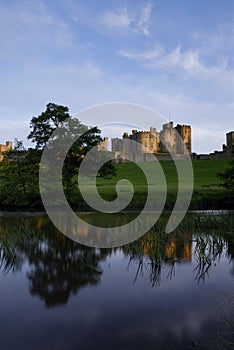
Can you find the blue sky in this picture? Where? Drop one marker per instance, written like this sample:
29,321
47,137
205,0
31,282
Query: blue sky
176,57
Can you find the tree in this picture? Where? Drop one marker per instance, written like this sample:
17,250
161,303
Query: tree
43,125
228,178
19,177
53,128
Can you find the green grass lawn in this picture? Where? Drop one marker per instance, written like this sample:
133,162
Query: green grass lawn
208,194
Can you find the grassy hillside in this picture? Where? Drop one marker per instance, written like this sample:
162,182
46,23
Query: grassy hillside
208,194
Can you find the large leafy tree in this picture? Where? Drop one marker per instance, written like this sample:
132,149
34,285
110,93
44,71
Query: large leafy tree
57,118
43,125
53,128
19,173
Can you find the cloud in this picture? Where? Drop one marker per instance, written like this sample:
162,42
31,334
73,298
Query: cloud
143,23
188,60
187,72
122,19
147,56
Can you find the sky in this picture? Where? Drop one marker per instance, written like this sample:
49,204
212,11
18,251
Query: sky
176,57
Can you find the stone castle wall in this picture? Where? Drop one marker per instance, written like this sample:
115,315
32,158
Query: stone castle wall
227,152
170,139
176,140
125,157
5,148
103,145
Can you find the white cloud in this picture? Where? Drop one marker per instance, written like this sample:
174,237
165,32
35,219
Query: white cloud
123,19
120,18
188,60
143,23
191,75
147,56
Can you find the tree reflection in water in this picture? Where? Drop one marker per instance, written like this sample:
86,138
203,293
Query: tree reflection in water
201,237
59,267
58,270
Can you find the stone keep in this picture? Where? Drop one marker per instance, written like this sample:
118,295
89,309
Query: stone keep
169,140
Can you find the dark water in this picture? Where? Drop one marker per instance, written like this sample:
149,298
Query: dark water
161,292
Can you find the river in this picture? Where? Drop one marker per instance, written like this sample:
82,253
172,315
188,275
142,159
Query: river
163,291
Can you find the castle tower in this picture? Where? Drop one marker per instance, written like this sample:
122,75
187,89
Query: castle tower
103,145
148,141
154,141
230,142
116,144
125,143
168,138
184,138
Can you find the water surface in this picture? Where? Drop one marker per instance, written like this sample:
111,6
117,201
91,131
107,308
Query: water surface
161,292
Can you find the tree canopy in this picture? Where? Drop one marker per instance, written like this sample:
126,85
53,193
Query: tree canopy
19,173
43,125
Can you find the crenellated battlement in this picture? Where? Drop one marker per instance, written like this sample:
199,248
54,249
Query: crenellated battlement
169,140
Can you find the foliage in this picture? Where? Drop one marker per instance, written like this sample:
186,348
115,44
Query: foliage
55,128
19,177
43,125
228,178
58,266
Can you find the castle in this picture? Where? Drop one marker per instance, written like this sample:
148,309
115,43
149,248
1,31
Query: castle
170,140
5,148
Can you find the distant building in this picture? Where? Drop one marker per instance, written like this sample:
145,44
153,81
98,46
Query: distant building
5,148
103,145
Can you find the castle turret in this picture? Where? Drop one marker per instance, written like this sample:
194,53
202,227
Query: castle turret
5,148
183,139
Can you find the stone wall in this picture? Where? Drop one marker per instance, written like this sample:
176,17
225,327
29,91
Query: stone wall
169,140
227,152
5,148
103,145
